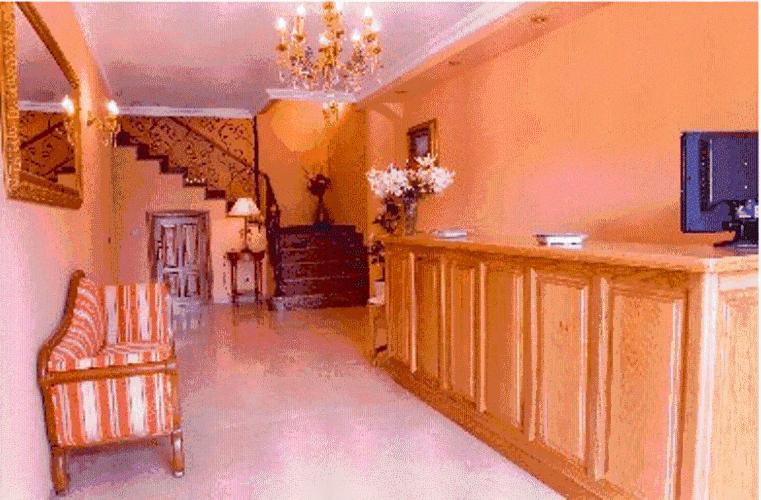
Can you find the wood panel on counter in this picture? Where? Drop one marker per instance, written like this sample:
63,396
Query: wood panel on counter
608,371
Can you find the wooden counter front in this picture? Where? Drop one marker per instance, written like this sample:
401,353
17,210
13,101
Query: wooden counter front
609,370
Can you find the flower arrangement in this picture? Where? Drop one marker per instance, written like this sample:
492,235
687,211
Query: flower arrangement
317,184
410,184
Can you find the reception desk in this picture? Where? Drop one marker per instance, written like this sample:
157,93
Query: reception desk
606,371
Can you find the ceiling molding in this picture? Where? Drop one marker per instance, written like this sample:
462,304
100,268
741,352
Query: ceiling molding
170,111
480,18
44,107
309,95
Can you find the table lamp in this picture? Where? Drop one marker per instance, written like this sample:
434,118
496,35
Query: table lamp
246,208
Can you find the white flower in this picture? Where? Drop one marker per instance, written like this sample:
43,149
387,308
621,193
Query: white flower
426,161
395,182
392,181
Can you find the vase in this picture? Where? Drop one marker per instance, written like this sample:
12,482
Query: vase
410,216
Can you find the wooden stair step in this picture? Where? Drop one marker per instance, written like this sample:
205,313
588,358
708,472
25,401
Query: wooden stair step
322,269
318,300
332,285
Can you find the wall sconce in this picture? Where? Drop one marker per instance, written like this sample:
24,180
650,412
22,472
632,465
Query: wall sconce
108,125
68,120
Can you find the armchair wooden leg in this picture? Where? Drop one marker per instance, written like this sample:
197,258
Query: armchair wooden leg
178,454
58,466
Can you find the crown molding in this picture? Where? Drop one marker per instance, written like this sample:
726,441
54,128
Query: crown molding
480,18
170,111
309,95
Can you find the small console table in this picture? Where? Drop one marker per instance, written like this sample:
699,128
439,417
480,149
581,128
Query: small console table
234,257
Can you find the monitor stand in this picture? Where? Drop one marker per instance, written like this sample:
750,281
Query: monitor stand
746,234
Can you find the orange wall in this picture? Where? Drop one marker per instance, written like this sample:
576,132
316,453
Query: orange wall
579,129
293,136
40,247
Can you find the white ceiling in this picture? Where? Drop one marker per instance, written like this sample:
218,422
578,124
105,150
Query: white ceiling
221,55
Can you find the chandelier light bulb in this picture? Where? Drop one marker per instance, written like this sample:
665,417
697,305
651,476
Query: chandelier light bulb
324,42
301,11
281,24
368,13
375,26
112,108
356,36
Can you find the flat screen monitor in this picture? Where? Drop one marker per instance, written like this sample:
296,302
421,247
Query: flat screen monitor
720,184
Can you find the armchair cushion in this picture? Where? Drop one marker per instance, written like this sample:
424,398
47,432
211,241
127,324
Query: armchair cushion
121,354
137,313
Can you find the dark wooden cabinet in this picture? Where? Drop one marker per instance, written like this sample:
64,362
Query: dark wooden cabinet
320,267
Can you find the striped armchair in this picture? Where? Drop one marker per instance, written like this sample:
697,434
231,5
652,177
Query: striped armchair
108,374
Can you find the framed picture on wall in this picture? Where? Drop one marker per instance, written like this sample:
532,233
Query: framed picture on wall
422,140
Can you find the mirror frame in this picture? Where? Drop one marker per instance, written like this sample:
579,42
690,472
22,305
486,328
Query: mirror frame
20,184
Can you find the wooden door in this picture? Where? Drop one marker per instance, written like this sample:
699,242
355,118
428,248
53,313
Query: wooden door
180,255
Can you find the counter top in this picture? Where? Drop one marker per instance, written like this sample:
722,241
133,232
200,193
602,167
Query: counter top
690,258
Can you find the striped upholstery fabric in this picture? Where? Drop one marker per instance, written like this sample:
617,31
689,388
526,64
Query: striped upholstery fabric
86,334
137,313
127,353
113,326
112,409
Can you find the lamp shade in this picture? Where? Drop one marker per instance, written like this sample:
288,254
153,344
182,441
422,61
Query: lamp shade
244,207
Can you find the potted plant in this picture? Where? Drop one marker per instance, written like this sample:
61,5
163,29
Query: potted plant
409,184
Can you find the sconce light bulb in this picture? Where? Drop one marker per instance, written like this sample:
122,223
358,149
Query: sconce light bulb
324,40
112,108
368,13
280,24
68,105
301,11
339,6
356,36
375,26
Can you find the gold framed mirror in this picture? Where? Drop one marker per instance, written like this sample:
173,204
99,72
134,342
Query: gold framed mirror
39,100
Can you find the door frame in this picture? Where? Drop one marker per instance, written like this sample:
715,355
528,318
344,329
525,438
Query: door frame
149,219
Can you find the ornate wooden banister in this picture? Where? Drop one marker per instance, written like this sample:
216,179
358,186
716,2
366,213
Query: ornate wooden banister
216,144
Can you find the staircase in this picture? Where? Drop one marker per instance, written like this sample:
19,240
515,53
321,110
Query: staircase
319,267
312,266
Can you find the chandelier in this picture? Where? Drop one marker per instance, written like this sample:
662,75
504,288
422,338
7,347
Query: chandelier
300,68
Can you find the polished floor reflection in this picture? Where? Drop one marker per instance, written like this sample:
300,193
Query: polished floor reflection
285,406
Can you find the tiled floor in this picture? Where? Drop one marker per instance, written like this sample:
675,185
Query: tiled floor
283,405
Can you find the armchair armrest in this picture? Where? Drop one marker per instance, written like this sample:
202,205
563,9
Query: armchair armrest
168,366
